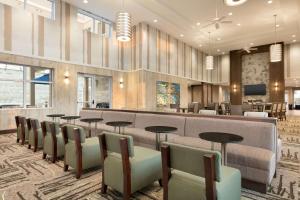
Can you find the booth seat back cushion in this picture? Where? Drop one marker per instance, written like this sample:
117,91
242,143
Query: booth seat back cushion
191,160
207,112
113,143
255,114
118,116
144,120
70,132
90,114
257,134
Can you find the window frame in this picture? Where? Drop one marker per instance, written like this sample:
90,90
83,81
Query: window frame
25,82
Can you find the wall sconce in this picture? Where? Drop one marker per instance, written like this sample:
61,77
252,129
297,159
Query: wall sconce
276,86
121,83
66,79
234,88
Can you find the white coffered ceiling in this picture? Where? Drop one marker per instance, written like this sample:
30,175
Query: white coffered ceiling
178,17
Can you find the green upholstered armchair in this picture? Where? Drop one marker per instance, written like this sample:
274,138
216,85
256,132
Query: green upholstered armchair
190,173
53,144
80,152
127,168
35,137
23,130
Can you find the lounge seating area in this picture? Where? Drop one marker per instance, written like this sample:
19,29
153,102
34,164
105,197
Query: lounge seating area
149,100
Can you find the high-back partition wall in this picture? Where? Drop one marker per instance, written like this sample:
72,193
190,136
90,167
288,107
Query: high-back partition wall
259,71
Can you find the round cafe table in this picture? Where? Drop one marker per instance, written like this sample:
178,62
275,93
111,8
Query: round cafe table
90,121
223,138
119,124
70,118
158,130
55,117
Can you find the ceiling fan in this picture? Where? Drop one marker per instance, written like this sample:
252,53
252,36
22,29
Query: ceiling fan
217,20
249,49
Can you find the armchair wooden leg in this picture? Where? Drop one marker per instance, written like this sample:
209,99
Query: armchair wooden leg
44,155
78,173
66,167
18,140
160,182
29,146
103,188
35,148
54,158
126,195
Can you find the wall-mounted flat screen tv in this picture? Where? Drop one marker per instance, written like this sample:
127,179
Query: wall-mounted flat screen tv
258,89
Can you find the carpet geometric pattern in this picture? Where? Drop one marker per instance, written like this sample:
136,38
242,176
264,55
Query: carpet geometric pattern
25,175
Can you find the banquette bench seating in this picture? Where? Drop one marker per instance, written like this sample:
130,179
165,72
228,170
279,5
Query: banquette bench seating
256,156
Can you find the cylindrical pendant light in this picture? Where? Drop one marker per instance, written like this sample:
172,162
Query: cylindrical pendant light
209,62
275,53
123,26
275,49
209,58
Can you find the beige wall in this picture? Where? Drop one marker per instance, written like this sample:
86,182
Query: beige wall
63,45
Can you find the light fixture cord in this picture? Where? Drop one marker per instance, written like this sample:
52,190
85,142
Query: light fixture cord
275,16
209,46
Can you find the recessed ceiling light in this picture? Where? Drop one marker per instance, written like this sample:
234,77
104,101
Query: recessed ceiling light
238,24
277,25
293,36
218,50
223,52
294,40
251,43
85,1
270,1
230,13
200,45
181,35
234,2
198,23
218,39
155,20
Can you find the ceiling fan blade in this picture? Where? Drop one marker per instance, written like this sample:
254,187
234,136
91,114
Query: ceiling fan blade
253,49
247,50
226,22
207,25
221,18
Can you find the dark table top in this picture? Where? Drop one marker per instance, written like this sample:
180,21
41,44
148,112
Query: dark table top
70,117
56,115
220,137
161,129
90,120
118,123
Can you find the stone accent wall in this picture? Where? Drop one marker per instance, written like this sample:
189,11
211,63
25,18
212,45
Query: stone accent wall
255,70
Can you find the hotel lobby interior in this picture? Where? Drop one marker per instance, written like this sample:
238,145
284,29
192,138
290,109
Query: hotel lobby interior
150,99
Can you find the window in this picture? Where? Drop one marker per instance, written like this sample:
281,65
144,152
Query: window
94,24
45,8
23,86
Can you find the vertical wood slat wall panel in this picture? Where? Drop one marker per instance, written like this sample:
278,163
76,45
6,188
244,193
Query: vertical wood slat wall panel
7,28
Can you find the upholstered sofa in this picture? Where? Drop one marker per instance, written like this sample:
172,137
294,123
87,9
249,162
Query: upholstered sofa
256,156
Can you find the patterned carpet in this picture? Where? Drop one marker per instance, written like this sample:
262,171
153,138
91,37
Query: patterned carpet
25,176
